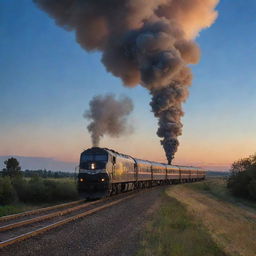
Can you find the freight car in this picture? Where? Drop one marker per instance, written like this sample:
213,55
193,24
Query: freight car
103,172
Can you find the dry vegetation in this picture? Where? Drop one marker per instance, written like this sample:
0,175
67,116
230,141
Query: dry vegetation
201,219
231,224
174,232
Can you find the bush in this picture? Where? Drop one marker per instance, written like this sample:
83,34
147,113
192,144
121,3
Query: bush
7,192
252,189
38,189
242,181
65,191
21,187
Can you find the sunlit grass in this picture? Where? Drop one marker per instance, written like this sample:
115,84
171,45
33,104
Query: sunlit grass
217,187
231,223
175,232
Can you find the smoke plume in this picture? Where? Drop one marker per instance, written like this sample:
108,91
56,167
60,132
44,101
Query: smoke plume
147,42
108,115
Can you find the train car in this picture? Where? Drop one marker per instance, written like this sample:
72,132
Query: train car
103,172
173,174
144,172
159,172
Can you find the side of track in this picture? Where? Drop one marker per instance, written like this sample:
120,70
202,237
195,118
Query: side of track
46,217
36,211
64,221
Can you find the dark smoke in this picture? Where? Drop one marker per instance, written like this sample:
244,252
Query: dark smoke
147,42
108,115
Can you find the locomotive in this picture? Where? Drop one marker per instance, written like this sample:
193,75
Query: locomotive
103,172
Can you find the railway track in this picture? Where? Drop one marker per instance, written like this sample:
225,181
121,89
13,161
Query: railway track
18,227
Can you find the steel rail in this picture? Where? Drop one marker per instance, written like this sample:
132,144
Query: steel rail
32,212
48,216
61,222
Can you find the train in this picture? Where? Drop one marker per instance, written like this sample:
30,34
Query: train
104,172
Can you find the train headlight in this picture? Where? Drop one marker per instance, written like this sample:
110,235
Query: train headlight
102,179
93,166
81,180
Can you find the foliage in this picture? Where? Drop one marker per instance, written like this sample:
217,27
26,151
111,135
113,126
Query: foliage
47,174
242,180
12,168
36,190
7,192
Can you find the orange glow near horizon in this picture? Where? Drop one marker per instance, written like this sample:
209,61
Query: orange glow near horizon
30,142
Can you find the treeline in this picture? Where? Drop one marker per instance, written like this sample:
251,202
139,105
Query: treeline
13,169
242,179
43,174
48,174
39,188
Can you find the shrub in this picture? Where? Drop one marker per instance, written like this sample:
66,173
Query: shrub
242,181
252,189
7,192
65,191
45,190
21,187
36,190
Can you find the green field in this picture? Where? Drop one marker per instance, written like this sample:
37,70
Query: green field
201,219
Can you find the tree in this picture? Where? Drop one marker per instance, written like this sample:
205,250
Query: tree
242,180
12,168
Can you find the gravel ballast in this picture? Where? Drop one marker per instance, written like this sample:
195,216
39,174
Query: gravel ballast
113,231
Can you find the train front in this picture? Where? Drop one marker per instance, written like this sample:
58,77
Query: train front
93,179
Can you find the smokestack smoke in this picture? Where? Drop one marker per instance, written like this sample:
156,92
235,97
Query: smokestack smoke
108,116
147,42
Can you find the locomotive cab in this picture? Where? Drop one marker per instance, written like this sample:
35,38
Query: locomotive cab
93,180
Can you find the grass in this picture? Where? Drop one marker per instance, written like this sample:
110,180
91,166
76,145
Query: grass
217,188
230,222
11,209
18,207
175,232
23,207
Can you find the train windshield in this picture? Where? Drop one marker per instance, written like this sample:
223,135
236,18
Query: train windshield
100,157
93,161
94,157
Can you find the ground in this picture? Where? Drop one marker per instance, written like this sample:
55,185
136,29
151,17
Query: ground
182,220
230,222
113,231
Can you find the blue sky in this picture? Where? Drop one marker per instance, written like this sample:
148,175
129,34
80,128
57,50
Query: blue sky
47,80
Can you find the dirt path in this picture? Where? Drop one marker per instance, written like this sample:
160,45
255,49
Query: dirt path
233,228
113,231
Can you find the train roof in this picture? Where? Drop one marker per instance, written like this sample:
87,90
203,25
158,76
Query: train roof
188,167
98,150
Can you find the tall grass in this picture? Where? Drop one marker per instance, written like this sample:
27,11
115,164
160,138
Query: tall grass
173,232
